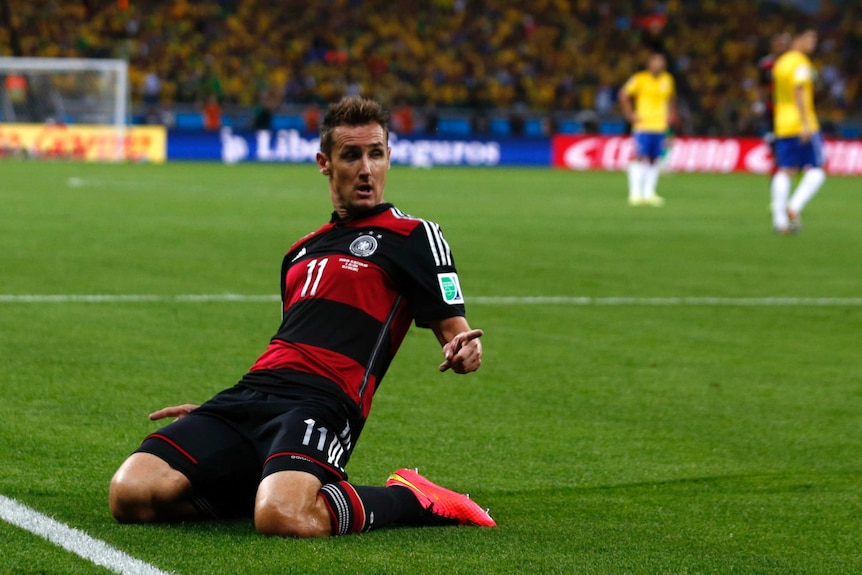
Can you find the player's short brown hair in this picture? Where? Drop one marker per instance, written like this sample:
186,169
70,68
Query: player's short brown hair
351,111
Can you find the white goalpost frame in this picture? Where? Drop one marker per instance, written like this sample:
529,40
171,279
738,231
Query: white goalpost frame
118,67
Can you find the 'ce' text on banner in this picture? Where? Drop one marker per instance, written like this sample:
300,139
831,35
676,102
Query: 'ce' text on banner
686,154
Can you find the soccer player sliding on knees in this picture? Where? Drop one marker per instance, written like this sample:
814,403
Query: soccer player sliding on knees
274,447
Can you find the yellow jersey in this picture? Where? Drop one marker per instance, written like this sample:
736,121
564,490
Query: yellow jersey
652,95
793,69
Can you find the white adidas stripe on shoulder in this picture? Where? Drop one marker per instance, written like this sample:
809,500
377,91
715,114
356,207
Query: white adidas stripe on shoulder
401,215
442,253
439,246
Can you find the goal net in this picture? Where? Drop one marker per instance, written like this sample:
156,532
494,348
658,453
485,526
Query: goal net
65,92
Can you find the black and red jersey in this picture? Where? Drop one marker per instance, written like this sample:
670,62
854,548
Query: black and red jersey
350,292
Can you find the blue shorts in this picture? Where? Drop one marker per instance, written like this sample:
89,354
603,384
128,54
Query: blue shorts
649,144
793,153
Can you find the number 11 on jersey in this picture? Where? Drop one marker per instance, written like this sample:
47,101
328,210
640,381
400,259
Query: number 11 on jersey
312,278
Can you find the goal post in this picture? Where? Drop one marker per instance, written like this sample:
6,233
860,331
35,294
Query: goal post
73,93
65,90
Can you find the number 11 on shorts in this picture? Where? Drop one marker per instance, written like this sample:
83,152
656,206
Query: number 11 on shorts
335,451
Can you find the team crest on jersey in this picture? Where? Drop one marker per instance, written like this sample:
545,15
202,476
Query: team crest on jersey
363,246
450,288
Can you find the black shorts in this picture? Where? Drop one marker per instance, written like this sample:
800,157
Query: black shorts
227,445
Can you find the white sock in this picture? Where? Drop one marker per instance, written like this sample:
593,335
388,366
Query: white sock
808,186
636,179
780,192
651,179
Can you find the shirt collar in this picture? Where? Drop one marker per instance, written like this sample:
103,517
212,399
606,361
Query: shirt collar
378,209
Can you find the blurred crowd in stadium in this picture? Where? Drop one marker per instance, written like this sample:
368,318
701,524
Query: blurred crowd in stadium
537,58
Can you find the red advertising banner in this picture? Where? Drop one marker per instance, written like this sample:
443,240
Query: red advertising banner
84,142
843,157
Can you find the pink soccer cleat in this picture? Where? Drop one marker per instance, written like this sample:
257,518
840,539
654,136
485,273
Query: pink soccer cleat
440,501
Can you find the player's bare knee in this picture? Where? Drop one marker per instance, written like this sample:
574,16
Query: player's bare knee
129,501
274,522
281,522
140,493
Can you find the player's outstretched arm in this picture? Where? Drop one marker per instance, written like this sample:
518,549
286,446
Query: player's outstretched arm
178,411
462,349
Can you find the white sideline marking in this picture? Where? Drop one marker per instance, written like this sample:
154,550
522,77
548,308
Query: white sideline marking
74,540
675,301
491,300
119,298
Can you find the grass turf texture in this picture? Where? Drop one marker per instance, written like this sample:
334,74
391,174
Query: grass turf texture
605,439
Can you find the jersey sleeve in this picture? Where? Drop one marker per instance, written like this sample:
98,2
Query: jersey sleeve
631,86
428,276
802,74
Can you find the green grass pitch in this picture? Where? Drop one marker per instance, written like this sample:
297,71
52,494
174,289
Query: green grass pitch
607,436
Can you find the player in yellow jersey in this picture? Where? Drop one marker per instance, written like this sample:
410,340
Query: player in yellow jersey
648,102
798,143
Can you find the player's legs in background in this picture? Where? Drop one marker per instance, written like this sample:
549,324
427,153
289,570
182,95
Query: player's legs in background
786,159
780,190
809,185
653,170
637,169
814,159
636,172
655,145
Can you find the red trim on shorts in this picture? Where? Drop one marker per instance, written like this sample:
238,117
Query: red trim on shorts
298,455
174,445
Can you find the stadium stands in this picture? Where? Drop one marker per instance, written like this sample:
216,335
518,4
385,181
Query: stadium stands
447,54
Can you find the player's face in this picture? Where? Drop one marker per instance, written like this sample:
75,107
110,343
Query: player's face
656,64
356,168
808,41
780,43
